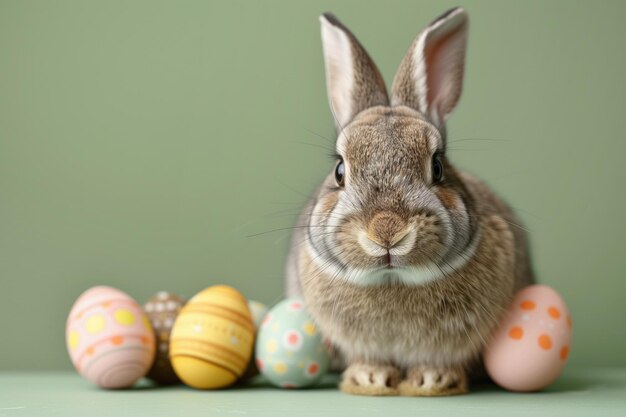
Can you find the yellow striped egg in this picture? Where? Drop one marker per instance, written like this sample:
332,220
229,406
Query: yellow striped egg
212,338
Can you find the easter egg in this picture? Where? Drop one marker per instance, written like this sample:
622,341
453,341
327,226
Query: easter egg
530,347
290,352
109,339
212,338
162,310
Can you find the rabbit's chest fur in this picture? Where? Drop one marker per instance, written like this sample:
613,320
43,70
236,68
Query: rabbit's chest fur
444,322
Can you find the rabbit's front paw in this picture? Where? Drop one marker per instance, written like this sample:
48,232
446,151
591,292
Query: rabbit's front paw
426,381
364,379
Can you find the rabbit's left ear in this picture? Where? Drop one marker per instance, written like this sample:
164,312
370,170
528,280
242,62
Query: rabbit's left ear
430,77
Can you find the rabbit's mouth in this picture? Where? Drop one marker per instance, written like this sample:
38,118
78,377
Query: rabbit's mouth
388,260
396,275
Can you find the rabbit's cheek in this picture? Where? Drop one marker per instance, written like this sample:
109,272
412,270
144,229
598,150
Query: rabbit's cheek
324,210
328,203
348,249
429,240
455,220
447,197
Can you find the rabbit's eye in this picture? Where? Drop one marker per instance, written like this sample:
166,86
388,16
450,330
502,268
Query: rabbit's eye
437,168
339,173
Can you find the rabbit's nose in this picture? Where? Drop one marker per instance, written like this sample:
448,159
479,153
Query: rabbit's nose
386,233
386,229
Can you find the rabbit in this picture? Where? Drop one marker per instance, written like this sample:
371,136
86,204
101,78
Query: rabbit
405,263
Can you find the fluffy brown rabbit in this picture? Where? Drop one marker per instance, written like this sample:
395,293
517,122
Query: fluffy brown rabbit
405,263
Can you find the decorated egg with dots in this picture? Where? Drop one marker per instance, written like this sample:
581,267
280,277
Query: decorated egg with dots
109,338
290,352
530,347
162,310
212,338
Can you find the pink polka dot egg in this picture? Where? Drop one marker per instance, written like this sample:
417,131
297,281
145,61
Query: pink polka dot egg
529,349
109,338
290,352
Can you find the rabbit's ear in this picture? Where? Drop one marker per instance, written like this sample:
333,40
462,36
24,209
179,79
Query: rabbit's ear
352,79
430,77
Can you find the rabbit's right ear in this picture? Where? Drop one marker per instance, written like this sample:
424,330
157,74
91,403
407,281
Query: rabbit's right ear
352,79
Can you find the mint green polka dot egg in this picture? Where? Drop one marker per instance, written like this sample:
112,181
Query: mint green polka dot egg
290,352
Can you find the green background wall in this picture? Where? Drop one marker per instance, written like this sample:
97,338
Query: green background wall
142,142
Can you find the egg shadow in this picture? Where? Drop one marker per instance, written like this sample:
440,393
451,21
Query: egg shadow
148,385
566,383
571,384
579,382
327,382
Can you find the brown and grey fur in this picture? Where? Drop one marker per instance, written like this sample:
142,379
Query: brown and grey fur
407,277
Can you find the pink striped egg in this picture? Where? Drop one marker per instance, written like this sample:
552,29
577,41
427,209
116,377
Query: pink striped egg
109,338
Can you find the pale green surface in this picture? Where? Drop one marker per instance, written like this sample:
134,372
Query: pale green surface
581,392
142,141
